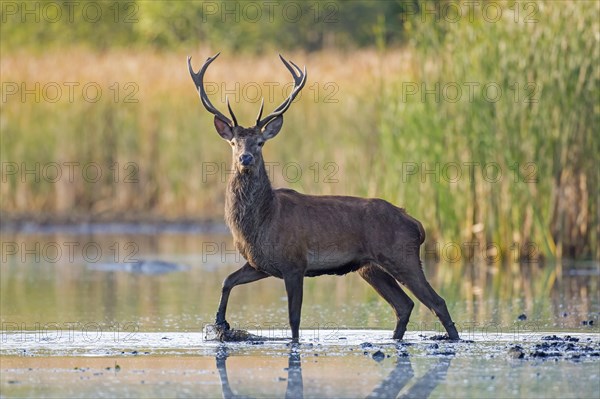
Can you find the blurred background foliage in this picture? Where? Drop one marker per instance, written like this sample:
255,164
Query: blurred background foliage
247,26
357,120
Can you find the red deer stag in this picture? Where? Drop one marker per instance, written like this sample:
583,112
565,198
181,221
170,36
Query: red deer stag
289,235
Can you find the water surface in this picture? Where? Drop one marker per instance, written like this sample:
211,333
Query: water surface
74,306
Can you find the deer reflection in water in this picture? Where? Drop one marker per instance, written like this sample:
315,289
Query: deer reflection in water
389,387
295,387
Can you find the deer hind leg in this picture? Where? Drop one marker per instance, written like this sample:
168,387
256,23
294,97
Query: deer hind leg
412,276
245,274
388,288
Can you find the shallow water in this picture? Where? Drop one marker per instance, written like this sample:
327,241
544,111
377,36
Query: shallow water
352,363
71,312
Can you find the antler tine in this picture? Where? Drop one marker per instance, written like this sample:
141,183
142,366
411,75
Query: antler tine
231,111
198,79
299,81
260,111
288,66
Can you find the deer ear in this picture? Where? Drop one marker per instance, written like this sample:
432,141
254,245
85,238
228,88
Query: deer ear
272,128
223,129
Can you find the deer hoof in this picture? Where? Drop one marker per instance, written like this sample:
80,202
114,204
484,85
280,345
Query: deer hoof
452,333
222,326
399,334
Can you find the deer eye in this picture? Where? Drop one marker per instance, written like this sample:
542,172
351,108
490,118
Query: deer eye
232,143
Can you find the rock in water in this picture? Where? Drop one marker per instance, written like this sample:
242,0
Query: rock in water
378,356
516,352
214,332
147,267
211,332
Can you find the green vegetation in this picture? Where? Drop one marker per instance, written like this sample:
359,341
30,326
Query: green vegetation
250,27
398,103
519,100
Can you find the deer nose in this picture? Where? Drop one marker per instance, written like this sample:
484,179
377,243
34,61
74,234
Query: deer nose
246,159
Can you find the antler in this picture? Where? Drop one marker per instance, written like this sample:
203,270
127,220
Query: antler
199,81
299,81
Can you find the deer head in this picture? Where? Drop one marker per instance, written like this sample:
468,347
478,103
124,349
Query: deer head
246,143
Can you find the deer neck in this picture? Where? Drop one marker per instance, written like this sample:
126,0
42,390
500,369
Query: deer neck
249,203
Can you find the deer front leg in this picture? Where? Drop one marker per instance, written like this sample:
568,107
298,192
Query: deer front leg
245,274
294,287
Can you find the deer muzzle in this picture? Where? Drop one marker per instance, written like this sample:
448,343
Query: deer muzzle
246,159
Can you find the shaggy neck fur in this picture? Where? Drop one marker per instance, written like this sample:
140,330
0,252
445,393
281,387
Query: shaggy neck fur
248,203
